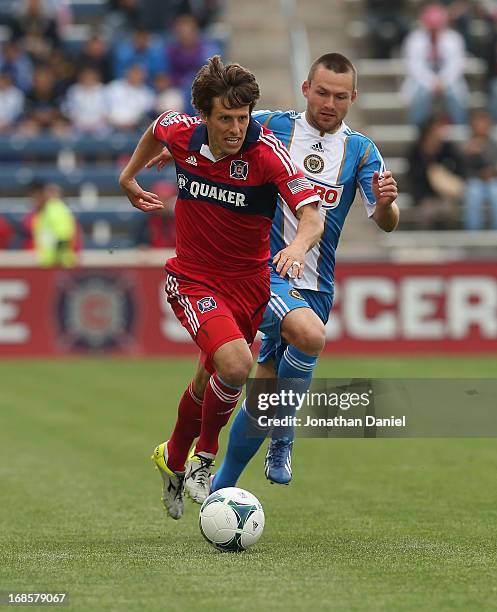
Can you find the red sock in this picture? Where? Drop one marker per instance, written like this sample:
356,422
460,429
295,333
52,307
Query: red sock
187,428
219,402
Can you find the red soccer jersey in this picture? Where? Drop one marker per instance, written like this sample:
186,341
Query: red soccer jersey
225,207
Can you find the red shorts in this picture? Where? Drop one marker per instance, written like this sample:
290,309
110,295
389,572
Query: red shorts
243,301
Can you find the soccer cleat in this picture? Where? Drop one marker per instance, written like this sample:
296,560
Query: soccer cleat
172,484
278,461
198,477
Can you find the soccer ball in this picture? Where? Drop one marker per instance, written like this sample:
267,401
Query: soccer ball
231,519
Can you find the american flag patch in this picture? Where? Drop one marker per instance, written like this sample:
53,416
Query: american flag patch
299,184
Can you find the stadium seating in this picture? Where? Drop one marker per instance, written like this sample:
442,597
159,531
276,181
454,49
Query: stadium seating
86,167
383,112
49,146
85,11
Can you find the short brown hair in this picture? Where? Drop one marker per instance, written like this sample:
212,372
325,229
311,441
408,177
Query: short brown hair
336,62
235,85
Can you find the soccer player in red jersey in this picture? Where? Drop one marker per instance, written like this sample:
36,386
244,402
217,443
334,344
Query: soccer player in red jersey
229,172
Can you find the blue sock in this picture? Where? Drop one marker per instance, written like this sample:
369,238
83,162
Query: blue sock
243,443
295,372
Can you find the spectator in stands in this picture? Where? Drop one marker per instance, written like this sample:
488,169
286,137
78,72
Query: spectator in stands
18,64
63,70
11,103
37,31
96,54
86,103
167,97
54,227
43,105
204,11
481,172
435,168
186,54
6,233
477,22
60,10
129,100
143,50
474,22
25,230
123,16
388,25
435,59
491,69
157,230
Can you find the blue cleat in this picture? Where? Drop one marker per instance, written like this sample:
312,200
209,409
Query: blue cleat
278,461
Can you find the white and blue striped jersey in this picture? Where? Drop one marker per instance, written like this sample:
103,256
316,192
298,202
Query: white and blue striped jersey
337,165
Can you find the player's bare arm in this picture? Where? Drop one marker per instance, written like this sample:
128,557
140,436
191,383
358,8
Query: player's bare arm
147,148
291,259
386,214
160,160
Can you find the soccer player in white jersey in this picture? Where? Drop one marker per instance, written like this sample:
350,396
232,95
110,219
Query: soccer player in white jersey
337,161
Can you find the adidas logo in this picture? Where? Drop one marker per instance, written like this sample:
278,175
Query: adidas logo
318,147
191,160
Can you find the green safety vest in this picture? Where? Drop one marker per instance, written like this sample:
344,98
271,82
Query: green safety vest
54,232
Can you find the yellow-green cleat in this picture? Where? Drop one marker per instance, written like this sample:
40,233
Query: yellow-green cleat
173,483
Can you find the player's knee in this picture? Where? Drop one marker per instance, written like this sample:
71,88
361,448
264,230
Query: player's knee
233,362
310,339
303,329
236,370
235,374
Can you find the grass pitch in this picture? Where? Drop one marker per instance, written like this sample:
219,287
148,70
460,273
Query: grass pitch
375,524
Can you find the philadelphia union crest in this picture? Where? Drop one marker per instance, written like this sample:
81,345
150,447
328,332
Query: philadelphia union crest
314,163
295,294
239,169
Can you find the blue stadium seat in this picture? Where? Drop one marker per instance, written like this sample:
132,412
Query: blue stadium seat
48,146
120,226
88,10
16,177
